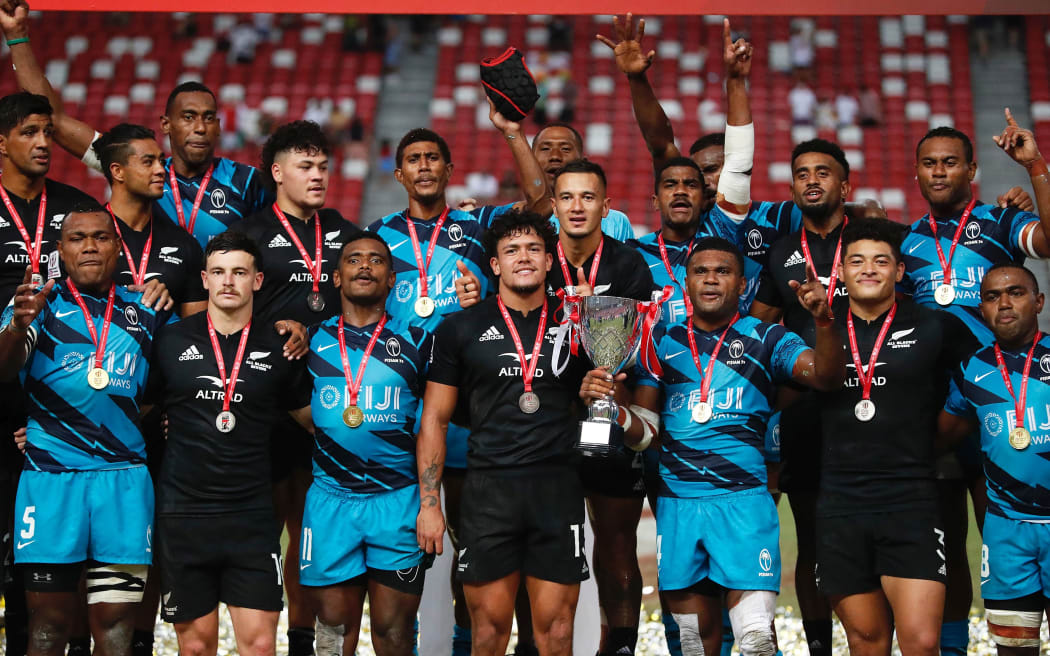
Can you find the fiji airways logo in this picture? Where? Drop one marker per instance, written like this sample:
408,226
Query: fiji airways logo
993,423
328,397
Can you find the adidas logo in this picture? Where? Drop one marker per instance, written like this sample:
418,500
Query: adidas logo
4,223
490,335
191,354
279,241
795,259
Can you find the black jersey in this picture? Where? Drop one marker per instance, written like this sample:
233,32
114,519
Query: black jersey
787,262
207,471
13,253
474,351
886,464
621,272
175,258
287,280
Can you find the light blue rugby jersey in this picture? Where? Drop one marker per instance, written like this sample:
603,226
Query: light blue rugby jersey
673,310
765,223
726,454
73,427
234,192
380,454
1018,481
992,235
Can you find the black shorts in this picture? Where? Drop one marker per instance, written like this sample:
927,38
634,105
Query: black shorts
530,522
620,475
291,447
800,447
854,551
205,559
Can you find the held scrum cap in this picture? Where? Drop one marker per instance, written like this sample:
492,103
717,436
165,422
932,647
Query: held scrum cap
509,84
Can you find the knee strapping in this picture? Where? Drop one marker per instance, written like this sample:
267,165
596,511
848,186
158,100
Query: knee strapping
689,634
116,584
1014,628
752,620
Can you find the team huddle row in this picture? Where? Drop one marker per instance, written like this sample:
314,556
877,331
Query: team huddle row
434,352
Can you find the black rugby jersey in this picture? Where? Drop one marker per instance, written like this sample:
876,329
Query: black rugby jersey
474,351
13,253
286,279
204,470
621,272
886,464
175,258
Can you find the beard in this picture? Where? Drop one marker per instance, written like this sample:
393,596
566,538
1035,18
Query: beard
525,290
818,212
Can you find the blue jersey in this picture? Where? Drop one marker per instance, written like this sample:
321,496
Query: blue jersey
380,454
765,223
992,235
726,454
1018,481
460,239
73,427
234,192
615,224
673,310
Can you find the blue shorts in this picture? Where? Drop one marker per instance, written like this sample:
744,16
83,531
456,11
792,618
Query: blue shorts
732,539
70,517
1015,558
345,534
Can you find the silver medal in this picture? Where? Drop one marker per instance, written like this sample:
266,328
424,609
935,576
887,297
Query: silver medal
864,410
944,294
702,412
225,421
315,302
529,402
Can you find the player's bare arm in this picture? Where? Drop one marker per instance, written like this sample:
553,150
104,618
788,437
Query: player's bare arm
531,177
14,336
824,367
439,401
1019,143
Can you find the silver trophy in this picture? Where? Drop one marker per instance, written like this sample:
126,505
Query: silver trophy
610,331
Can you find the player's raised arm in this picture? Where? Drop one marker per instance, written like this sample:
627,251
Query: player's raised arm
1019,143
824,367
634,62
734,185
73,135
530,176
15,338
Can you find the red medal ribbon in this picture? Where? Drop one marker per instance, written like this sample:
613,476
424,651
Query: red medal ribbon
528,368
353,385
315,266
592,275
705,384
866,378
1019,401
422,264
137,276
100,343
188,227
667,261
647,350
834,277
227,395
33,249
946,264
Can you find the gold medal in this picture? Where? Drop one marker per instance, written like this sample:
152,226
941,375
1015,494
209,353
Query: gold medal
1020,438
944,295
702,412
98,378
424,306
353,416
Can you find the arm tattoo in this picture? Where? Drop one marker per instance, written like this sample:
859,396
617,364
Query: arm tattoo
429,479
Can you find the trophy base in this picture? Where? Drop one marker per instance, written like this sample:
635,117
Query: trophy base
595,439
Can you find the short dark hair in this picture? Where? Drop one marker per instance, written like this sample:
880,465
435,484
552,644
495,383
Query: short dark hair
824,147
717,244
514,222
581,166
83,206
115,145
371,236
234,240
297,136
949,133
17,107
561,124
191,86
672,163
1014,265
708,140
417,135
874,229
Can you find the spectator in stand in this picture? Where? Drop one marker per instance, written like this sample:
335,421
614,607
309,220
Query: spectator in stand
803,103
825,116
801,45
243,39
846,108
870,107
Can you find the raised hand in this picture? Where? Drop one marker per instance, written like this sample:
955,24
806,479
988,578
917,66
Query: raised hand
502,123
468,289
14,19
583,288
735,54
630,58
28,301
812,295
1018,142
